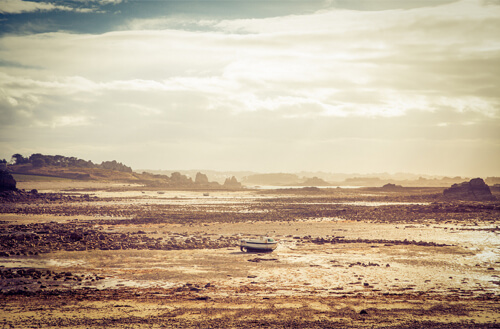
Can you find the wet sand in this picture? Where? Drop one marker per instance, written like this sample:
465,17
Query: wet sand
346,259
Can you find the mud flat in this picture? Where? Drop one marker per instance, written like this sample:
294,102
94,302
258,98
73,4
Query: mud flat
362,258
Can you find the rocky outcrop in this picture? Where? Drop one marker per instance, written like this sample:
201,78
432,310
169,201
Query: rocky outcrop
201,179
475,189
232,183
7,182
390,186
315,181
177,179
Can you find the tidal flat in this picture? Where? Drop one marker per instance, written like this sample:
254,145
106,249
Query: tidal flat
128,257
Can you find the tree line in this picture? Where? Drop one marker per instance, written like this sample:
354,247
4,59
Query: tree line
39,160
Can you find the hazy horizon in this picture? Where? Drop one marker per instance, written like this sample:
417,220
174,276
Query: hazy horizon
350,174
334,86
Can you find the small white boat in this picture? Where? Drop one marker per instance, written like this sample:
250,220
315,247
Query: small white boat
262,244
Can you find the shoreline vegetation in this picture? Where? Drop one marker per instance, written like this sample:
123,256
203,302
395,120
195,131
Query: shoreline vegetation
38,166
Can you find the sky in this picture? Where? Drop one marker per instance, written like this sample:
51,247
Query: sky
341,86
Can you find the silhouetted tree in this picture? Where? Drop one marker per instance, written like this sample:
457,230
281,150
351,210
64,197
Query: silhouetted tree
37,160
19,159
113,165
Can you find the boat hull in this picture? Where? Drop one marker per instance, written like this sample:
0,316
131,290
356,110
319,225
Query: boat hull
257,246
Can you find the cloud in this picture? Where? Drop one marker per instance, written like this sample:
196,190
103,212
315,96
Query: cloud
313,86
24,6
21,6
102,2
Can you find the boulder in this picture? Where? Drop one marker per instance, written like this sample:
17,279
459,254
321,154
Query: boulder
475,189
7,182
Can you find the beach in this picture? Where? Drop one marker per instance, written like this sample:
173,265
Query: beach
128,257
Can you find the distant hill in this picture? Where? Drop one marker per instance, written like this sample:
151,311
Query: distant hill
58,166
73,173
70,167
38,160
74,168
212,175
315,181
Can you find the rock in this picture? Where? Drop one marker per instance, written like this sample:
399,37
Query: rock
7,181
315,181
201,179
178,179
311,189
258,260
232,183
390,186
203,298
476,189
75,236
